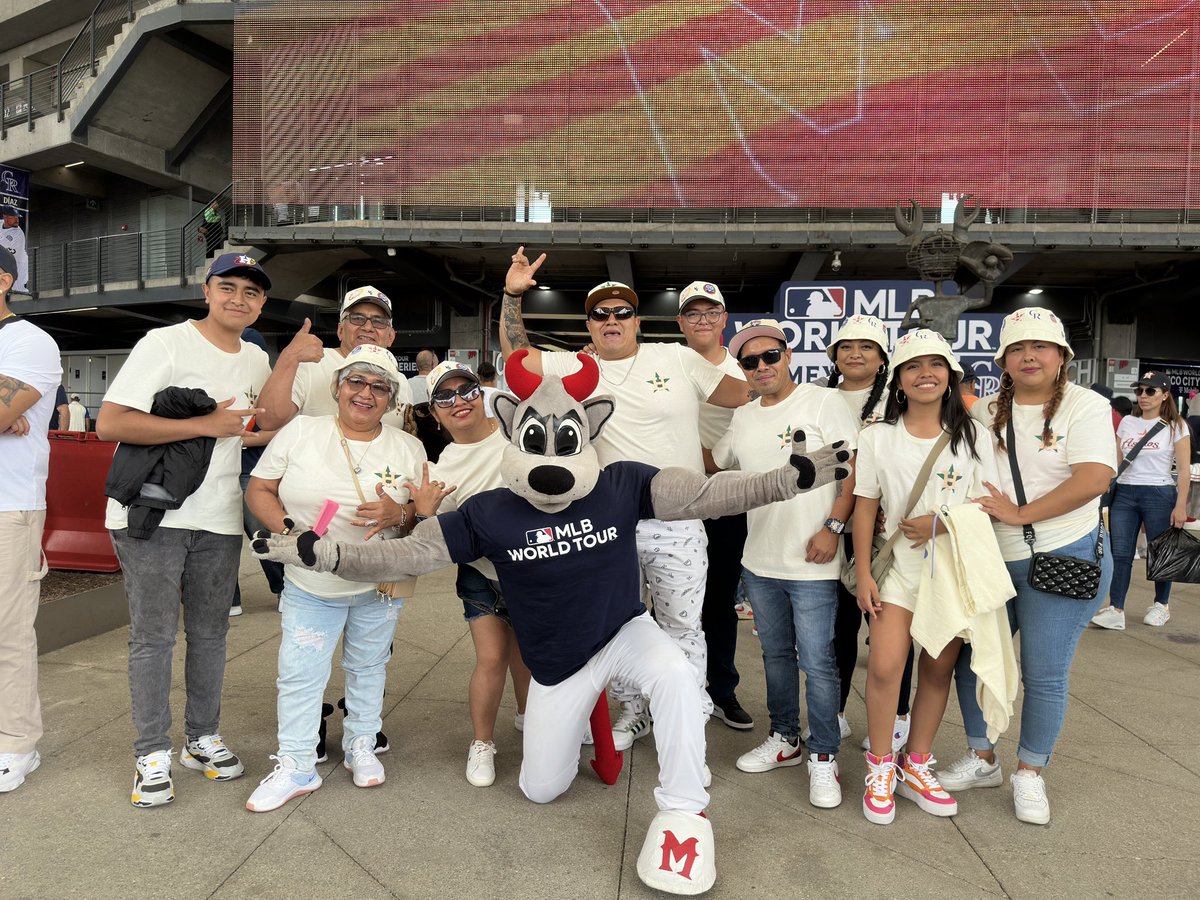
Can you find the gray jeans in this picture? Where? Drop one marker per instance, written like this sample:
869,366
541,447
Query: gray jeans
199,569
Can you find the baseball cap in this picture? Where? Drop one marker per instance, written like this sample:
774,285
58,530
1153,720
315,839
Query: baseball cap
449,369
242,264
756,328
610,290
1034,323
922,342
8,262
1154,379
367,294
860,328
9,210
701,290
74,396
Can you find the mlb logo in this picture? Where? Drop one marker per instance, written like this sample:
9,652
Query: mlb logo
539,536
816,301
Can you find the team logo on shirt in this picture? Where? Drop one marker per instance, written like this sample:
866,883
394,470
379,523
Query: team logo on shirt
559,540
950,478
388,477
1051,442
659,383
785,437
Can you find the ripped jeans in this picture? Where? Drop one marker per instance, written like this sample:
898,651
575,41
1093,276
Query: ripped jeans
311,628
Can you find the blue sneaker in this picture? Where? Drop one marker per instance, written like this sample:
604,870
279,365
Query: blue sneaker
284,783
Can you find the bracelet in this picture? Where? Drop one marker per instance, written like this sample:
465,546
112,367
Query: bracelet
418,519
514,296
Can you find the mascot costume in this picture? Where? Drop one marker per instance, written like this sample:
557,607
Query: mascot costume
561,535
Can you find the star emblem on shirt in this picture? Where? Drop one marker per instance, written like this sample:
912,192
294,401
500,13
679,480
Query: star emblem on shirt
252,396
388,477
785,437
950,478
1051,442
659,383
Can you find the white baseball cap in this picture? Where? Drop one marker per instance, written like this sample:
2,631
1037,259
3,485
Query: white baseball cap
367,294
449,369
1034,323
861,328
756,328
922,342
701,290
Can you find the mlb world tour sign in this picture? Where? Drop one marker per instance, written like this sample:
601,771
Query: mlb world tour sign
812,314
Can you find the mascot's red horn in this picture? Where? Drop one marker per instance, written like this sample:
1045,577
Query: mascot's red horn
520,380
523,383
581,384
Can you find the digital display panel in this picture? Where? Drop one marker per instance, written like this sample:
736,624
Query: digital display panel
536,104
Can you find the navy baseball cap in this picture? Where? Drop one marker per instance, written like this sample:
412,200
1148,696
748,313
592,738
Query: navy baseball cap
241,264
8,262
9,210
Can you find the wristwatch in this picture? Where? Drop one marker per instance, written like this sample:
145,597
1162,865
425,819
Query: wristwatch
837,526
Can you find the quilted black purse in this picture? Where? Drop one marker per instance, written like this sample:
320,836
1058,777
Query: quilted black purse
1066,576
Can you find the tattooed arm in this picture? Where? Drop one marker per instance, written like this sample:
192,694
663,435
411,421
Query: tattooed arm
16,397
512,329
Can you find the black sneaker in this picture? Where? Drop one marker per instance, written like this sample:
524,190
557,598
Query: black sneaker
326,712
729,711
381,741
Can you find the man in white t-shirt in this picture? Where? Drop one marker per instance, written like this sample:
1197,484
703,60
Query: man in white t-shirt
77,414
702,319
659,389
426,361
792,558
30,370
190,559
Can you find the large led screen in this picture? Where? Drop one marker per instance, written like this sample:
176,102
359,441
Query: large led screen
699,103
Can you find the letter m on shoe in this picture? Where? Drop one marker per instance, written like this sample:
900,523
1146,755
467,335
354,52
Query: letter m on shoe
679,857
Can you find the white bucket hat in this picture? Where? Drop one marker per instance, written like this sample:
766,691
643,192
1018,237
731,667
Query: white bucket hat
1033,324
860,328
921,342
371,355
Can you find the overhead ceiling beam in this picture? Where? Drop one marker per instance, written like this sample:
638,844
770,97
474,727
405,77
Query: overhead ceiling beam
620,267
808,265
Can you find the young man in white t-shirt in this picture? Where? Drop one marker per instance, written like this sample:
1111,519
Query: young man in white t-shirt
191,558
30,370
792,558
659,389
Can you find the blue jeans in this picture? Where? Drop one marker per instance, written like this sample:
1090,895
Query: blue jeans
1050,627
480,595
1135,505
795,628
311,628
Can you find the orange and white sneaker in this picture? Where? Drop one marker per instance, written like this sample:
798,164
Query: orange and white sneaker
918,784
879,803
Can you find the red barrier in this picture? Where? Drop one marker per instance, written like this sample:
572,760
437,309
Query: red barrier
75,534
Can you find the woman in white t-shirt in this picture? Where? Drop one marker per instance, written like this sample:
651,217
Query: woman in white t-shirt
470,465
1066,455
923,404
1147,492
313,459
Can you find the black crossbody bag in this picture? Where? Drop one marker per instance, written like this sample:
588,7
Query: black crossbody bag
1107,500
1049,572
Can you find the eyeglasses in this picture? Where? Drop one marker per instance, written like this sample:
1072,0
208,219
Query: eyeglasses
358,320
620,313
380,389
446,396
711,316
770,357
1148,391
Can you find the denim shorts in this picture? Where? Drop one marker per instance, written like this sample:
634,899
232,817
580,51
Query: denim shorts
480,595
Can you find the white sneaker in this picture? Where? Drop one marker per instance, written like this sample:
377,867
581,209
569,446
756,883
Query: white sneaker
519,721
481,765
285,782
773,753
899,735
1029,797
634,723
152,785
970,772
208,754
1110,617
706,776
361,762
824,785
14,767
235,610
843,729
1157,615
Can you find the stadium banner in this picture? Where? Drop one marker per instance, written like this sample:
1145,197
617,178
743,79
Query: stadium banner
14,221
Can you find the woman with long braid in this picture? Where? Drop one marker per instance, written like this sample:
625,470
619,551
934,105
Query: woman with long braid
1066,456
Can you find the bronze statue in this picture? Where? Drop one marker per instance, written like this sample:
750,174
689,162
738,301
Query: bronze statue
939,256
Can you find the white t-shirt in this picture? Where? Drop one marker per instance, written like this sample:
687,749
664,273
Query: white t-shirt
475,468
1153,463
759,439
1082,433
78,415
658,393
30,355
889,461
418,388
307,458
714,420
180,356
312,391
854,401
487,400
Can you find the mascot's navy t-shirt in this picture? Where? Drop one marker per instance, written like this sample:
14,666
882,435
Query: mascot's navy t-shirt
570,579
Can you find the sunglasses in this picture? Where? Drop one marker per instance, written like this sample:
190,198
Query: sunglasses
770,357
1148,391
620,313
380,389
446,396
358,320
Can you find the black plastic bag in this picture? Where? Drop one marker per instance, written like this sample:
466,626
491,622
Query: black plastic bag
1174,556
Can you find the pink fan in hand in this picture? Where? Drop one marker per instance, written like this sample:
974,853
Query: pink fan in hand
328,510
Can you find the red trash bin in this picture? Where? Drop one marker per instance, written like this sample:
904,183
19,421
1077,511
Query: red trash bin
75,535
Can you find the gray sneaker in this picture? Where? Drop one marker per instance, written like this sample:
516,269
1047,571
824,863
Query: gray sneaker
970,772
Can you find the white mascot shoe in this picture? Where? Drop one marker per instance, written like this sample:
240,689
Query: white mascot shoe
677,856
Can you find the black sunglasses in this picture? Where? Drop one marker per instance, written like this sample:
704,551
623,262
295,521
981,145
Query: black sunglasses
620,313
445,397
770,357
1148,391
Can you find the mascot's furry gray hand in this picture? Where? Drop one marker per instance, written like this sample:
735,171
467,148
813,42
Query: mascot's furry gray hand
820,467
305,549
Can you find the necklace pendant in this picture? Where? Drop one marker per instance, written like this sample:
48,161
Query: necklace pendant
358,470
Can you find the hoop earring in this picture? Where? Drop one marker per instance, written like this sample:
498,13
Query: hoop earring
947,394
882,369
1006,385
901,397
